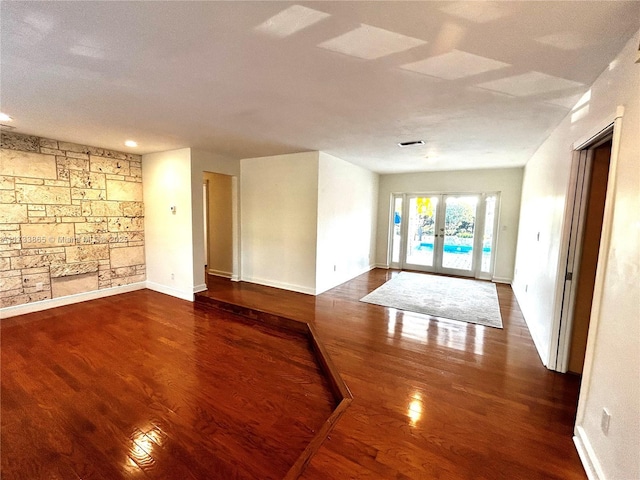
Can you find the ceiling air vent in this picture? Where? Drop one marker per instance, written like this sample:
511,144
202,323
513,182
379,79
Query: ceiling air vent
411,144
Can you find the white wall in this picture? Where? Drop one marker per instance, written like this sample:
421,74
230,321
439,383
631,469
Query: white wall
279,208
166,182
347,210
612,371
508,181
202,161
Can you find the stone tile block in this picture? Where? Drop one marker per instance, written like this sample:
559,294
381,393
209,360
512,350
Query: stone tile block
123,271
29,181
16,163
88,194
13,213
41,251
73,147
7,196
17,141
57,183
63,173
25,298
42,194
91,227
48,143
72,163
47,235
116,282
10,283
63,286
30,280
73,269
101,209
84,253
41,219
5,264
124,191
82,179
113,154
6,183
64,211
81,156
6,227
31,271
132,209
126,224
127,256
10,273
33,261
51,151
109,165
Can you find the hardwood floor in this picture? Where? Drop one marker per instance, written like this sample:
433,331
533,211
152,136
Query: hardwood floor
113,388
142,385
432,398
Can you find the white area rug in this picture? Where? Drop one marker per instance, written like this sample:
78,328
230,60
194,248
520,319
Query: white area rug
472,301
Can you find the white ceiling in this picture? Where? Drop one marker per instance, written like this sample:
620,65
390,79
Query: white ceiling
483,83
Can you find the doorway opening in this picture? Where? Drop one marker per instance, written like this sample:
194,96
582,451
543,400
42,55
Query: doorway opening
453,234
588,193
218,197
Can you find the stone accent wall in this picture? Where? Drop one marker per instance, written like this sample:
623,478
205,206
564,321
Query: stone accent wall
71,219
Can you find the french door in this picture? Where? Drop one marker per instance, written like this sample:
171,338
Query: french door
444,233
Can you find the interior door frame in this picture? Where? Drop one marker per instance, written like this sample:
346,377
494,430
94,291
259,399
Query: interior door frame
476,271
562,324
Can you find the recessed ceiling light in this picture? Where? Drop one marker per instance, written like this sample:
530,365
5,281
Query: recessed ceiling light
291,20
370,43
131,143
5,118
411,144
455,64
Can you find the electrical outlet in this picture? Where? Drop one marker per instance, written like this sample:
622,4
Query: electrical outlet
39,286
335,268
605,421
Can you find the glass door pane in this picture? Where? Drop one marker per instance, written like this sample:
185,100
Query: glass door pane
487,237
459,230
421,231
396,241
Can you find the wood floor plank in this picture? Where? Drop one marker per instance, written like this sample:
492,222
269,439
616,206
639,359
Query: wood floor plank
433,398
146,386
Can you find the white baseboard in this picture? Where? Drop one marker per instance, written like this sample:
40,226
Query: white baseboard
235,278
219,273
381,265
587,455
502,280
200,288
174,292
282,285
68,300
